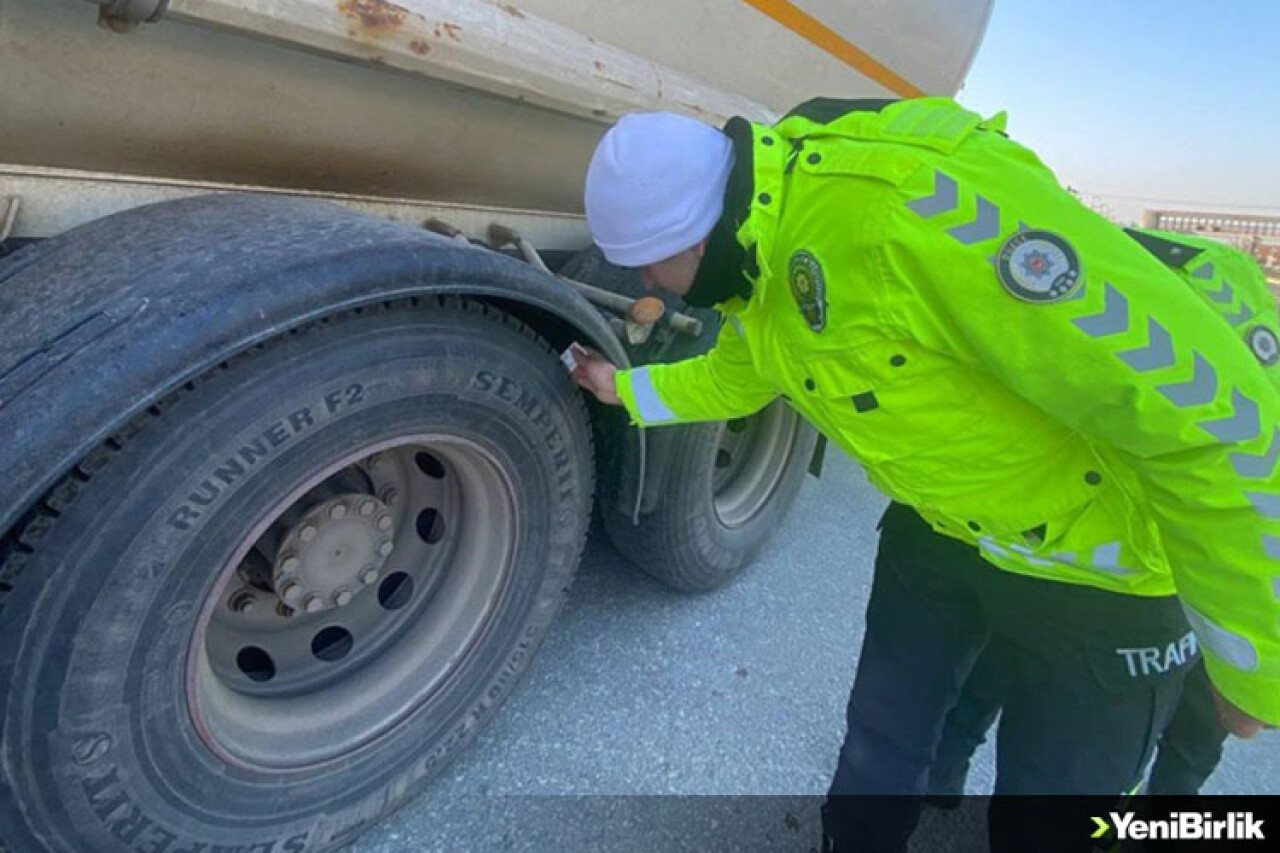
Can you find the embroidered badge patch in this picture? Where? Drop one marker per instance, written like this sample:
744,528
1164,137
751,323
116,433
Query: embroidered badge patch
1265,345
1038,266
809,287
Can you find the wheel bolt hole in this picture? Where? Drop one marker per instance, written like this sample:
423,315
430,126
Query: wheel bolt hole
430,465
395,591
332,643
256,664
430,526
723,459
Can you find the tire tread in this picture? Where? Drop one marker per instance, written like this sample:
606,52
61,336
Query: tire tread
19,544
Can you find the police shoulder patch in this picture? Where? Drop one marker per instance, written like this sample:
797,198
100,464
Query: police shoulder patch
808,288
1038,266
1265,345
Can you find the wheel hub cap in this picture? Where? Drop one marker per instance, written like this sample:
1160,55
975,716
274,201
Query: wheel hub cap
336,549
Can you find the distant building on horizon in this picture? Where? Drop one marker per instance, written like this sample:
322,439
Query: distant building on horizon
1254,233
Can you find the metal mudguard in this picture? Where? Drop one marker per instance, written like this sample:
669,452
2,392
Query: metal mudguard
99,323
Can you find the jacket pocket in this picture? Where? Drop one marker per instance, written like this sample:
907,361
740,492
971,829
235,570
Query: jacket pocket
901,411
1051,508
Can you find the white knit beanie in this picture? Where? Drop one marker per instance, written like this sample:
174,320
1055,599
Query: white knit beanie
655,186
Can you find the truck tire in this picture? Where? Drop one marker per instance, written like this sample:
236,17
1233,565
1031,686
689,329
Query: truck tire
725,490
414,480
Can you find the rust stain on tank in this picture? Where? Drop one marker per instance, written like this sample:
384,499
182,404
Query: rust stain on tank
452,30
599,65
373,17
419,47
512,11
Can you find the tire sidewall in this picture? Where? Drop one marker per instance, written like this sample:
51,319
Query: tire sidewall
97,722
684,542
690,489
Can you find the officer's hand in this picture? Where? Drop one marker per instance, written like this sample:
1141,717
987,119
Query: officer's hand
1234,720
596,373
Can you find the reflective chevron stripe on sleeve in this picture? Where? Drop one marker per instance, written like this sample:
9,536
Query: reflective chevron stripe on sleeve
1157,354
1114,319
1244,315
1200,391
1258,467
985,225
1267,505
945,198
1241,426
1225,296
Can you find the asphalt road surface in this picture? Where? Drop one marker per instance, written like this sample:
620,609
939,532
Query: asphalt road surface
642,702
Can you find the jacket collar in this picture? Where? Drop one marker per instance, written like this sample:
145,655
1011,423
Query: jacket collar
1170,252
726,266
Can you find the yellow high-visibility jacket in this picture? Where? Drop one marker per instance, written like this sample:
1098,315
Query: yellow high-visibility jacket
1012,365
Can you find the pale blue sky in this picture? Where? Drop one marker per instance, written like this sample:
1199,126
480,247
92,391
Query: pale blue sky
1175,101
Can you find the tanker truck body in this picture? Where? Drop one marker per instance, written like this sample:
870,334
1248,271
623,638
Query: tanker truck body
293,481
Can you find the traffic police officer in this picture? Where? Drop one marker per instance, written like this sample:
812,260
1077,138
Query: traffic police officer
1076,443
1231,285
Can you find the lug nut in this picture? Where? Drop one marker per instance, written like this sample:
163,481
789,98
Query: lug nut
291,592
337,511
369,575
386,548
242,601
313,604
342,598
390,496
384,523
307,533
366,508
290,564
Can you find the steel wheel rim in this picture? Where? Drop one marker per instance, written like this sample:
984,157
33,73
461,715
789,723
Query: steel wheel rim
750,461
458,569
